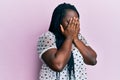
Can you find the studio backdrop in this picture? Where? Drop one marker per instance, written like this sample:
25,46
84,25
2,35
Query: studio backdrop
23,21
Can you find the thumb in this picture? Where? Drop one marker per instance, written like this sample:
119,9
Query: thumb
61,27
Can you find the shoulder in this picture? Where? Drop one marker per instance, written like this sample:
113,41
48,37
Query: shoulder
46,35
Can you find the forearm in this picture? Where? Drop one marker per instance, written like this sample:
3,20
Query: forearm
63,54
88,54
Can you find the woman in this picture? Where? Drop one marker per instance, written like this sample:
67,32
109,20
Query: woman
63,50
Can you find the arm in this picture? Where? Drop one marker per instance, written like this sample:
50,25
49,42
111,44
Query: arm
87,52
57,59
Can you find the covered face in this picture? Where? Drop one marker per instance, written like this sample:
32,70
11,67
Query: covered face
68,15
61,16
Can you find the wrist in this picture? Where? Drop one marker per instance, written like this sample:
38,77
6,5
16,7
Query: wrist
75,40
69,38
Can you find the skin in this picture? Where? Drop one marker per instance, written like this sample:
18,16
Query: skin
70,27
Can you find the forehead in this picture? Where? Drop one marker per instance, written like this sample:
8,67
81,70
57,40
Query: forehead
71,13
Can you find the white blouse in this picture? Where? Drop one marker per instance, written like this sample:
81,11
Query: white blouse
47,41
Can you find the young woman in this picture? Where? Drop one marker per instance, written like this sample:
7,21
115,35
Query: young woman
63,50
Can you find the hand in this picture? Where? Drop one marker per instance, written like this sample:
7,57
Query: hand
77,29
71,30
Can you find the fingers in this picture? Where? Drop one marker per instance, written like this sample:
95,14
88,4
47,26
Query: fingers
70,22
78,25
62,29
73,25
73,22
72,28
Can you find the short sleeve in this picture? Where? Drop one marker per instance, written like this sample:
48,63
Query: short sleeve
46,41
83,39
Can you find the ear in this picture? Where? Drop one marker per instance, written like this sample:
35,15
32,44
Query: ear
61,27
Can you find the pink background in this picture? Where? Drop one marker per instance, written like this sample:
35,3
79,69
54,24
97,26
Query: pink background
22,21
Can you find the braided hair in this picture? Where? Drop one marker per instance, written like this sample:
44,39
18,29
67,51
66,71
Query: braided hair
57,16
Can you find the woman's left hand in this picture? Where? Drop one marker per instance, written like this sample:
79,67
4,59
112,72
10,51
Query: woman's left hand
77,29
